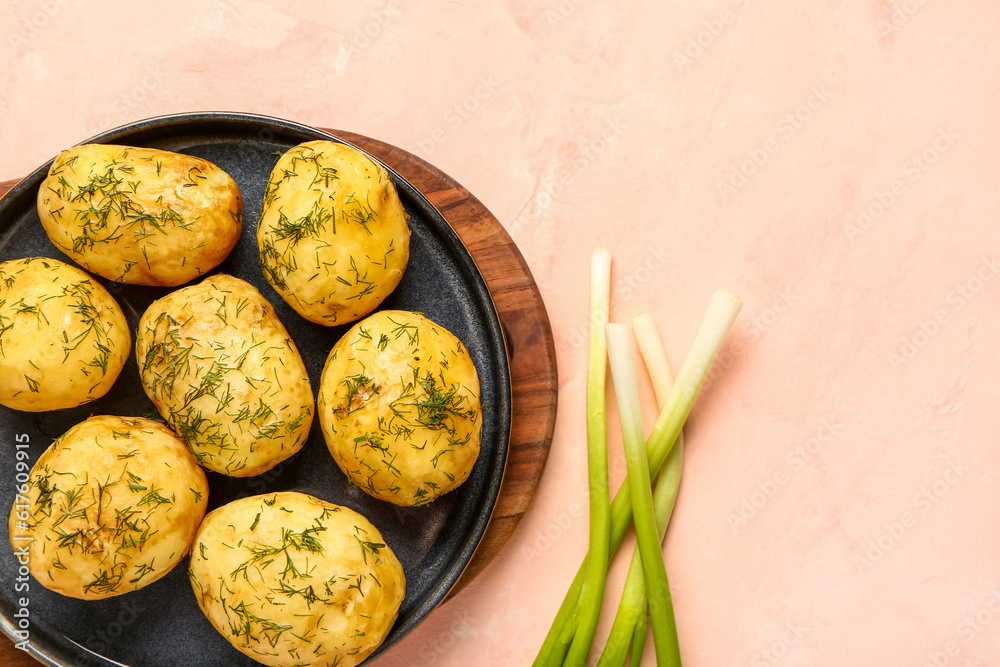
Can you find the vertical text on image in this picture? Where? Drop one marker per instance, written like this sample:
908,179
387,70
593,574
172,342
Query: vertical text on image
20,540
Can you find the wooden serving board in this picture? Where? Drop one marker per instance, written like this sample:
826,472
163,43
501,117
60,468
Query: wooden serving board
529,342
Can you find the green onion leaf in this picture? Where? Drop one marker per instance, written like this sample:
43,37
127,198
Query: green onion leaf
722,311
661,614
630,621
592,593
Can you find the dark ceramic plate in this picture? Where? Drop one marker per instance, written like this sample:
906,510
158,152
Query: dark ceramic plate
161,625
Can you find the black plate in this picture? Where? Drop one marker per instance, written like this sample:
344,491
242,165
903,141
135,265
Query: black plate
161,625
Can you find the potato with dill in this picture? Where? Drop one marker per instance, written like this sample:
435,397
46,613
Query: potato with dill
223,372
141,216
400,410
332,234
112,506
63,338
289,579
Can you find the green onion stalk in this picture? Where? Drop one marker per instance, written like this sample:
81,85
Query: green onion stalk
661,613
628,633
722,311
592,593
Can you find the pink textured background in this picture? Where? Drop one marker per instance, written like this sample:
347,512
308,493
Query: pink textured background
841,481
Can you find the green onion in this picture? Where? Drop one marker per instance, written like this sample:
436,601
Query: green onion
592,594
722,311
661,613
630,621
654,357
554,646
639,641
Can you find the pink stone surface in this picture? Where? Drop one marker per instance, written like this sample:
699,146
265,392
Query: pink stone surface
834,163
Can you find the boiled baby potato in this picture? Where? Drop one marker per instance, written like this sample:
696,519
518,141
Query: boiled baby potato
399,406
292,580
140,215
111,506
220,367
63,338
332,233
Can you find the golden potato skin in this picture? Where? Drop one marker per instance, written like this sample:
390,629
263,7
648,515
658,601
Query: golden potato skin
333,236
223,372
399,406
112,505
141,216
289,579
63,338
